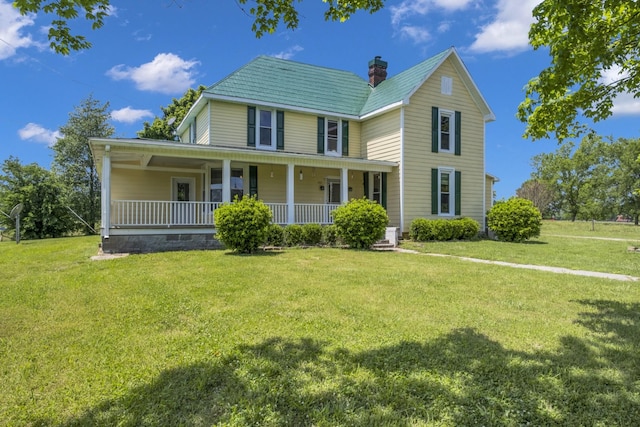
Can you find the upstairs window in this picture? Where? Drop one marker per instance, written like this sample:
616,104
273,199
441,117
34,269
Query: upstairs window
446,121
265,129
333,137
446,131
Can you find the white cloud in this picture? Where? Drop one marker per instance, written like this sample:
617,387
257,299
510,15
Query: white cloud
624,103
11,26
289,53
130,115
167,73
409,8
416,34
35,132
509,31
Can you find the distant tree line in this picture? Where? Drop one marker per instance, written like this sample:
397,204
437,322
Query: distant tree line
599,179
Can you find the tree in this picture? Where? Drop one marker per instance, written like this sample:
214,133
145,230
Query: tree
576,176
626,177
165,127
585,39
539,193
42,195
73,159
267,14
514,220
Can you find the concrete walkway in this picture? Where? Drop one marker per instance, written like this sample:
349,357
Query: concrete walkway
560,270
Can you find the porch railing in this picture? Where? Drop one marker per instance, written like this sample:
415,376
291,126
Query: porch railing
153,213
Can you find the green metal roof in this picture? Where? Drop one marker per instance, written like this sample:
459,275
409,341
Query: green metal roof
274,81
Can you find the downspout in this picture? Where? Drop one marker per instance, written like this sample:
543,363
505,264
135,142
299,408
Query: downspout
401,170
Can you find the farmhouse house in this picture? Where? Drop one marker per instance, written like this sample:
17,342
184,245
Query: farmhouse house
304,139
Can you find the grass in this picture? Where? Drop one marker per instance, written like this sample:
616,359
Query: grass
561,244
319,337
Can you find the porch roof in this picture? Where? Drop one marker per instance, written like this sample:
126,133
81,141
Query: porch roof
145,153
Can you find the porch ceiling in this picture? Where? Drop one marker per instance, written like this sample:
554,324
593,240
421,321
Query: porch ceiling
167,154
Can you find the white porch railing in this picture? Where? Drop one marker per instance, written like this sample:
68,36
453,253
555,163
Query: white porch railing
153,213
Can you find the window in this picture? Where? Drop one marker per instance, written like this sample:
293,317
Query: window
446,191
237,184
265,129
446,131
447,123
377,188
333,137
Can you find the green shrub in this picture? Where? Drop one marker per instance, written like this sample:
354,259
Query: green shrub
424,230
442,230
360,223
330,235
275,235
312,234
515,220
242,225
470,228
293,235
421,230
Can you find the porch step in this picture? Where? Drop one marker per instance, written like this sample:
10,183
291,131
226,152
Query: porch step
383,245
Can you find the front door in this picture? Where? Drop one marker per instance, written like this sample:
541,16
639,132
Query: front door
183,192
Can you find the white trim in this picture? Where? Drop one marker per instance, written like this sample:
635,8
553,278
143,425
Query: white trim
452,191
338,152
385,109
291,209
274,130
400,171
106,192
452,130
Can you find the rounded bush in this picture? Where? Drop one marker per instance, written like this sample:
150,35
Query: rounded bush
293,235
360,223
442,230
329,235
421,230
515,220
424,230
312,234
470,228
242,225
275,235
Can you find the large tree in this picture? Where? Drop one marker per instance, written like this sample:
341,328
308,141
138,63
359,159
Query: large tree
586,40
73,160
540,193
43,197
268,16
164,127
626,177
578,177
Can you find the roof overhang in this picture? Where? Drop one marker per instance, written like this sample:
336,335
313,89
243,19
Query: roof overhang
142,153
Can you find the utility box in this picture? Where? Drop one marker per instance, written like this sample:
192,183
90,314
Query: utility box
391,235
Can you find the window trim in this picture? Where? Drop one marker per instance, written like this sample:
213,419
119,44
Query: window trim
338,152
274,130
452,126
452,191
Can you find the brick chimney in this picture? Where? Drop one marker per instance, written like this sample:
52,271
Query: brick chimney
377,71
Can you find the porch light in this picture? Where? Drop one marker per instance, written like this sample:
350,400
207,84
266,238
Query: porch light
350,188
300,174
322,188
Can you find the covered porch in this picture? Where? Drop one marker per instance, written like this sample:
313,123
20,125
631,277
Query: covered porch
173,189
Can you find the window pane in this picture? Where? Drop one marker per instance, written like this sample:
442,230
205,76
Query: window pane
444,203
445,122
216,185
444,183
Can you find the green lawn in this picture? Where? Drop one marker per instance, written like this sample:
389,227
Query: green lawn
318,337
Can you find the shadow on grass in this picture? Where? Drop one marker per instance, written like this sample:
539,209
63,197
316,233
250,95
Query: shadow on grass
461,378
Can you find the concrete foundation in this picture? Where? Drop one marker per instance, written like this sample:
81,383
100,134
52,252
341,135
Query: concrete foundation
159,243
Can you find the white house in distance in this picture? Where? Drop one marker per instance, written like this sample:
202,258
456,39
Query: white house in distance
304,139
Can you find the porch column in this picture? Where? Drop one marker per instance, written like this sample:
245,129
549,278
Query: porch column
105,189
226,181
344,185
291,209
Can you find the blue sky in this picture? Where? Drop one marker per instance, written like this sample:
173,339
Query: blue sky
150,51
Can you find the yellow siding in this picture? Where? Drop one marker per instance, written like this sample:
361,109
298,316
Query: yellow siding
419,160
137,184
228,124
381,141
202,127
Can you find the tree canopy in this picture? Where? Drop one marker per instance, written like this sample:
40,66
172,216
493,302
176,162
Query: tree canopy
268,15
595,56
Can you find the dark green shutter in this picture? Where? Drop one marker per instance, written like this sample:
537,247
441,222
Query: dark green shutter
458,195
365,180
253,180
345,138
251,126
458,139
434,191
320,135
384,189
435,127
280,130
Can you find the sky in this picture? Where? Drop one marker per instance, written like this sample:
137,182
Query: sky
151,51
